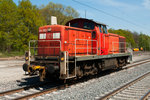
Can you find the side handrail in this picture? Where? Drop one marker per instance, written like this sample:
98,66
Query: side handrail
87,46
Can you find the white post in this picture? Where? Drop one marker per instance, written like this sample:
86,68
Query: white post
87,47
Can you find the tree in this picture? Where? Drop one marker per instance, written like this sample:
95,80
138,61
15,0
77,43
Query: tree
62,13
8,22
30,16
136,37
126,33
19,24
29,22
144,41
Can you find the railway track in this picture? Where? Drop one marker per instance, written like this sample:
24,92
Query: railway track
30,91
36,90
16,93
138,89
32,95
136,63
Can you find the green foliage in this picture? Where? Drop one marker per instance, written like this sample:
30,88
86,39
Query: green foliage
20,24
127,34
30,20
8,22
62,13
135,39
144,41
11,54
29,16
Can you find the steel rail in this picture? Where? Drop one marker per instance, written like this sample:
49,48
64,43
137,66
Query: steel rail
41,92
22,89
138,63
107,96
145,97
142,60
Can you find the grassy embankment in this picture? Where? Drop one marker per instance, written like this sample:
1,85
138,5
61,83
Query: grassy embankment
11,54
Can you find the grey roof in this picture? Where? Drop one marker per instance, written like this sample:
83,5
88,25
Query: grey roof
100,23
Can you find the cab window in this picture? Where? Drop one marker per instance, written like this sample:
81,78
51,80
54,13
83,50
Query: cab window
74,25
104,29
88,25
99,26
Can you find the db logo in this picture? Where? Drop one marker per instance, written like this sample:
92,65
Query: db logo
49,36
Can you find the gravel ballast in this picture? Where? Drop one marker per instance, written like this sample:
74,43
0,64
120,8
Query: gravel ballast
97,87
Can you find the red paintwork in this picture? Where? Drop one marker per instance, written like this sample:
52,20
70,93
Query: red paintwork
101,44
123,45
113,43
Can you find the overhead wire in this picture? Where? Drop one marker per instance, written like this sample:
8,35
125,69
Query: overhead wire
106,13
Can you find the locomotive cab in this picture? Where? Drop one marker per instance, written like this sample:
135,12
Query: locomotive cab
99,32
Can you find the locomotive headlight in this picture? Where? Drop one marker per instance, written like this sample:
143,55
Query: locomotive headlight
26,58
62,58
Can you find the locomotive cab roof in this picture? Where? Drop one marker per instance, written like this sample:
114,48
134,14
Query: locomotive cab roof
84,23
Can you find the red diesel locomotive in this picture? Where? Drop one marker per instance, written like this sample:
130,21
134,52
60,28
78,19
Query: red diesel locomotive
80,48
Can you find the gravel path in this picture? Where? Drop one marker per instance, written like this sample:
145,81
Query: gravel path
11,63
12,76
140,55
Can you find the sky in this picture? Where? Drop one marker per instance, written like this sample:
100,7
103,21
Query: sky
133,15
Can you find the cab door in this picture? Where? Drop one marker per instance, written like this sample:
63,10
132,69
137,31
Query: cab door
105,40
94,42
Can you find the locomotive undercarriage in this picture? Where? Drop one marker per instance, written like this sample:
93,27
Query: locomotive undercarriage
50,68
87,68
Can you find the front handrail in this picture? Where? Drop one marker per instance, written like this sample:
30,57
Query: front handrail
34,44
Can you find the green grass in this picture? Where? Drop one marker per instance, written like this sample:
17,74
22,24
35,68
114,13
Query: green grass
11,54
